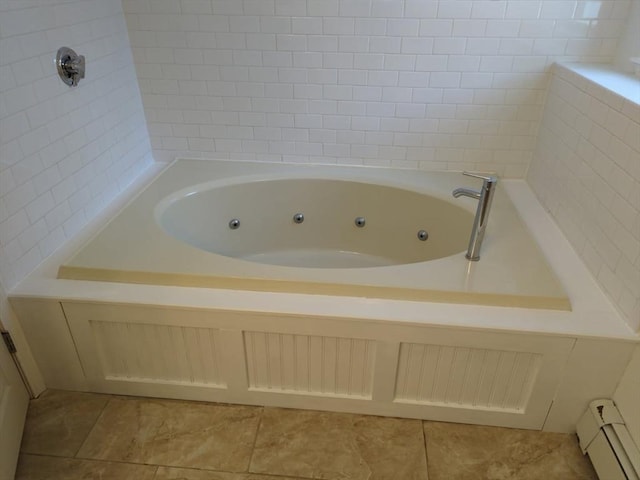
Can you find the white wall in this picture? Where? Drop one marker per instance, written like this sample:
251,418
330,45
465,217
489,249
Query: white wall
586,172
64,152
627,396
630,41
431,84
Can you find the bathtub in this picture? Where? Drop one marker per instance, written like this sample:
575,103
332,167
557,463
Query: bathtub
368,232
312,286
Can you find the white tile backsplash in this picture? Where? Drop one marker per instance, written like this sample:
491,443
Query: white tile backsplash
586,172
312,57
64,152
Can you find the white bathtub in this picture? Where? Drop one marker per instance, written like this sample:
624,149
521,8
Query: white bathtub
145,306
177,233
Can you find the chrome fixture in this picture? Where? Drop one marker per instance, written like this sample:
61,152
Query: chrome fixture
234,224
360,222
70,66
298,218
423,235
484,197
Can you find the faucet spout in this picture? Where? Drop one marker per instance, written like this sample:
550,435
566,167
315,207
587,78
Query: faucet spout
484,197
466,192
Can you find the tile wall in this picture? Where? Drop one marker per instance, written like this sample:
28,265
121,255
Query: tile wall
586,172
64,152
435,84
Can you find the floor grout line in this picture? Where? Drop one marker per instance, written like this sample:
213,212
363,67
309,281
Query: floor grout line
424,441
98,417
255,440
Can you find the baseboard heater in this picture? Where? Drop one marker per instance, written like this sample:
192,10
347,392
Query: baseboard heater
605,438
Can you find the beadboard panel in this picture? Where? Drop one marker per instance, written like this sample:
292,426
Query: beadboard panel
328,363
159,353
310,364
469,377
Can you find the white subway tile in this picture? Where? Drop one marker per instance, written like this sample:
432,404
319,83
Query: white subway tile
306,25
449,45
558,8
488,9
385,44
291,42
454,9
428,95
445,79
420,9
369,61
338,122
354,8
432,63
258,7
386,8
322,8
417,45
192,6
337,60
398,62
367,93
410,110
403,27
324,107
261,41
352,77
295,134
523,9
291,8
275,24
413,79
357,44
469,28
381,110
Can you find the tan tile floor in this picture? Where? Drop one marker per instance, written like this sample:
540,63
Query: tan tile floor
85,436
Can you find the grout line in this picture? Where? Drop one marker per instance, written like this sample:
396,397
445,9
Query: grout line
255,440
424,441
109,398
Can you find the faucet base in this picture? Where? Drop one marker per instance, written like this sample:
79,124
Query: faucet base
473,259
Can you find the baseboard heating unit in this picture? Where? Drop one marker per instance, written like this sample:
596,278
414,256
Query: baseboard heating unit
605,438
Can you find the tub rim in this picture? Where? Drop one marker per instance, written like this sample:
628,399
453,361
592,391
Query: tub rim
593,316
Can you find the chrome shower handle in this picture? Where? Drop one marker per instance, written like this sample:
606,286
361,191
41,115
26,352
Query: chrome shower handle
70,66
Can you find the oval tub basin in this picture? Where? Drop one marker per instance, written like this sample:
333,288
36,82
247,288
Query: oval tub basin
344,224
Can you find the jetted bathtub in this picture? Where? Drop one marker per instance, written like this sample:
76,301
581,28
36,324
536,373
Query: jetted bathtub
318,229
331,288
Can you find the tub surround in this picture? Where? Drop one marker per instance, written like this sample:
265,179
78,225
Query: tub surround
338,353
586,173
512,271
435,84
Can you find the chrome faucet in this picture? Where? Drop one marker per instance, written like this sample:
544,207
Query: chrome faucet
484,197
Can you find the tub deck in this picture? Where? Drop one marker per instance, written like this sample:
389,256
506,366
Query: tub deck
133,248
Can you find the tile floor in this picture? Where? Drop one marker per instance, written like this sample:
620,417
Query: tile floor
89,436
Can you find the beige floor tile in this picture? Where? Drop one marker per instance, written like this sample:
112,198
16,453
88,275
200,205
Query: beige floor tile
58,422
174,433
472,452
171,473
326,445
36,467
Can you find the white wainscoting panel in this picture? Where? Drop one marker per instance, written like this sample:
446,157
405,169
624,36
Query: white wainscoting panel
306,364
158,353
468,377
